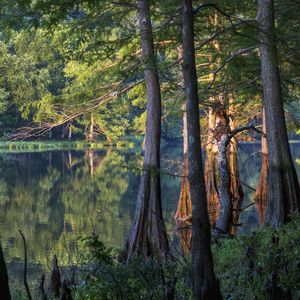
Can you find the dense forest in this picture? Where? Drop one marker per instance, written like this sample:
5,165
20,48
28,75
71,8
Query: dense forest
205,75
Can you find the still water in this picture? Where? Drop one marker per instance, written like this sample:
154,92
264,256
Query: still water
54,197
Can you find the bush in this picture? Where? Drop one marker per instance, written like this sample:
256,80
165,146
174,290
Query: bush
248,267
267,261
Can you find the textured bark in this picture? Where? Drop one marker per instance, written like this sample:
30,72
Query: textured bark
225,217
184,207
4,287
283,186
210,169
148,234
185,238
205,284
260,197
236,189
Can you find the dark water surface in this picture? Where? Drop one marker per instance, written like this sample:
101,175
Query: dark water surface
54,197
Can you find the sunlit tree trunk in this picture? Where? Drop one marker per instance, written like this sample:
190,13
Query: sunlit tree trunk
148,233
260,197
185,239
236,189
283,186
205,285
184,207
211,169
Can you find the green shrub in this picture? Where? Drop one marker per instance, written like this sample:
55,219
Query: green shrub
246,265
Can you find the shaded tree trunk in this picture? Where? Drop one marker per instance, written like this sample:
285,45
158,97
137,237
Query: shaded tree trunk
205,284
4,287
283,186
148,233
260,197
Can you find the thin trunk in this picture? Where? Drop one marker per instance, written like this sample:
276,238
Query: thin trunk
260,197
70,131
205,284
4,287
283,186
91,129
148,233
236,189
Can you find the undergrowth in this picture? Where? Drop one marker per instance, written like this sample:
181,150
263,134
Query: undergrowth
255,266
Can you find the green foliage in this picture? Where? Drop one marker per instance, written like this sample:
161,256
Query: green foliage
245,264
107,278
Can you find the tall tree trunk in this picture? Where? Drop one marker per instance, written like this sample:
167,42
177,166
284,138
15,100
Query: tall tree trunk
260,197
4,287
283,186
148,233
205,284
184,207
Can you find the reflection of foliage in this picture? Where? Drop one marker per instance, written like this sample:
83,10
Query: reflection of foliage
54,201
55,197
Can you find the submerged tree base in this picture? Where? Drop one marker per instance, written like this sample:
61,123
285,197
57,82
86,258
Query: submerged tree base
148,236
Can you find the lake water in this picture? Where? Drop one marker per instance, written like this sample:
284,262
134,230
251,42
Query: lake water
54,197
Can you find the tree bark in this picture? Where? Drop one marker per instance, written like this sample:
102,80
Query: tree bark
260,197
205,284
4,287
148,233
236,188
283,186
184,207
210,169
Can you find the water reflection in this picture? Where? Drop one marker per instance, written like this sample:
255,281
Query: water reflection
54,197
